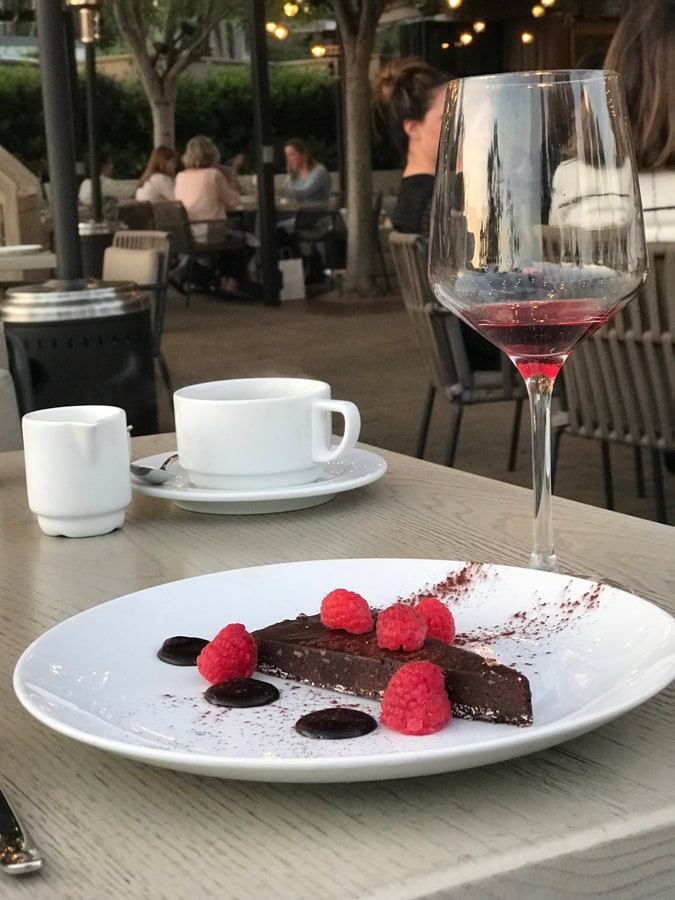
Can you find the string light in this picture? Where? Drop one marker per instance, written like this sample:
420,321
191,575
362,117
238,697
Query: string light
270,26
538,10
454,4
291,9
318,50
479,26
445,45
281,32
526,37
547,2
465,38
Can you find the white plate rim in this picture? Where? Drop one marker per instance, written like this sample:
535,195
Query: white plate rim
513,742
337,483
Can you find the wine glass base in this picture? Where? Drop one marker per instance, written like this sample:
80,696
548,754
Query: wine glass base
544,562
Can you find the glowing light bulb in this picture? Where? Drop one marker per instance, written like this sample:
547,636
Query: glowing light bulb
318,50
270,26
281,32
526,37
479,26
538,10
547,2
291,9
465,38
454,4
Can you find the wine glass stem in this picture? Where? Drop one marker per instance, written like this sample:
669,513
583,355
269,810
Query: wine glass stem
540,389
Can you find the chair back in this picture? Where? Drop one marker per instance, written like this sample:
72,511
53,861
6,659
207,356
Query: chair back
172,216
437,332
136,214
620,382
143,257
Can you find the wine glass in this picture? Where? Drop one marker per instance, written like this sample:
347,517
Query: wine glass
536,235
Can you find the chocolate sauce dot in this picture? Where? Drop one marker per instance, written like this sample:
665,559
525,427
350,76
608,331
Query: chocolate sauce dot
241,693
181,651
335,724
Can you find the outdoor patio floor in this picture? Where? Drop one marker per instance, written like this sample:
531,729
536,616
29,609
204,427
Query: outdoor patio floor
367,351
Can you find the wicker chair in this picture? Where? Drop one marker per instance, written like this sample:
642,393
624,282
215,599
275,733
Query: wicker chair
440,337
143,257
620,382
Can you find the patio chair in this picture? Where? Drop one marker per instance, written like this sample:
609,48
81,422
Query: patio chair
320,236
143,257
440,337
136,214
620,382
196,240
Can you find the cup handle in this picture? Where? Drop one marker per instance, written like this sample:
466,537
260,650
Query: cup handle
352,427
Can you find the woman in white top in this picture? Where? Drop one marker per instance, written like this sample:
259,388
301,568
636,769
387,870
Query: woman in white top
156,183
642,51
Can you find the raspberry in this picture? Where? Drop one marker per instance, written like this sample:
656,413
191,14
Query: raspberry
232,653
400,627
415,700
347,610
439,619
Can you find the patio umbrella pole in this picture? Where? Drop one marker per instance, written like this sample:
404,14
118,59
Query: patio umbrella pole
264,154
92,135
60,139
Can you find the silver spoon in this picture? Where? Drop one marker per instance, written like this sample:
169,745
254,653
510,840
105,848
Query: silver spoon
18,853
154,474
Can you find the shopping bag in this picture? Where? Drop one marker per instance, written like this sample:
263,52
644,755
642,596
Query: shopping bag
292,279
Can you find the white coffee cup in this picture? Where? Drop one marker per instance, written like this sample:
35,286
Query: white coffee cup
77,468
250,433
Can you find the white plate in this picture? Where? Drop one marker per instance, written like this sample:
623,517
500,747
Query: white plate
590,652
20,249
353,470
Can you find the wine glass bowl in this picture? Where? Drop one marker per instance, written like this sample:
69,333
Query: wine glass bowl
536,236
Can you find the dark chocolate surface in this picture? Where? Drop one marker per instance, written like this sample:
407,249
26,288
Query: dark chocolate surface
305,650
335,724
181,650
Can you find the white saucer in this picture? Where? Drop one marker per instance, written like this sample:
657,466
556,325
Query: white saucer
20,249
355,469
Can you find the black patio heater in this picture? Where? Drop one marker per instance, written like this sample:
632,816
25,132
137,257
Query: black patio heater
86,341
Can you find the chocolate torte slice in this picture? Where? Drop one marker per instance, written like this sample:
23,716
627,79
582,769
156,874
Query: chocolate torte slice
303,649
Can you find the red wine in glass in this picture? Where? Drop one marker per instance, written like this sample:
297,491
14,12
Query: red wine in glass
536,234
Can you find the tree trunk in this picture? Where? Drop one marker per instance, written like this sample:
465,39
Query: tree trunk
163,121
357,24
360,232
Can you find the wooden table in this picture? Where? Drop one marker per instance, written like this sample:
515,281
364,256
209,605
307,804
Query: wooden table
594,816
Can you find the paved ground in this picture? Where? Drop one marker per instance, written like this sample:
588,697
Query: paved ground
367,351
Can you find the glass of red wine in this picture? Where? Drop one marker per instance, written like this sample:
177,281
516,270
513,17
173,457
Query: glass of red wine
537,236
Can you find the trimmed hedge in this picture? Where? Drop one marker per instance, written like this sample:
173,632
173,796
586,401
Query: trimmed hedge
303,105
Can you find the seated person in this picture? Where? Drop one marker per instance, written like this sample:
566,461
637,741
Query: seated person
411,95
112,192
156,184
207,196
308,180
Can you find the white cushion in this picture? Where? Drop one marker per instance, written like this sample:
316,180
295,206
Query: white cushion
124,264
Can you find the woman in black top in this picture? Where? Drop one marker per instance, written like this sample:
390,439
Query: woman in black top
413,93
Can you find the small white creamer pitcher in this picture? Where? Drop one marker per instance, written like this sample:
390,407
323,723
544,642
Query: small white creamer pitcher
77,468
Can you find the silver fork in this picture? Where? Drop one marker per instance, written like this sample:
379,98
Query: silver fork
18,853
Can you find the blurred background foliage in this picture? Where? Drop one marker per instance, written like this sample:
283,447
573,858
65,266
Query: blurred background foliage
302,101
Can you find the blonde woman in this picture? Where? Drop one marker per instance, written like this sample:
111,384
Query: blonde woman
201,187
207,196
